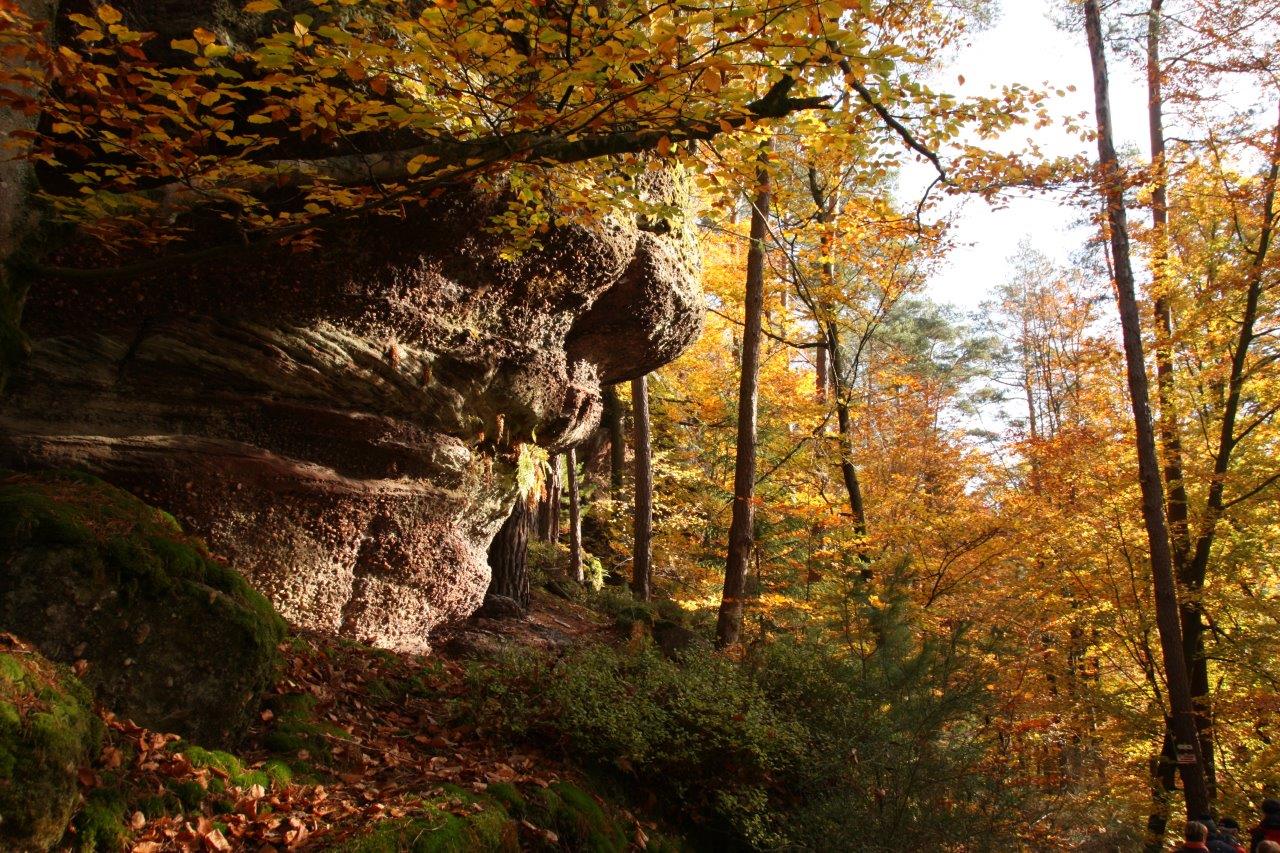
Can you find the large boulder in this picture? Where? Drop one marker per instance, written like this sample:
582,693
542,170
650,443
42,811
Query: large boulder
47,732
159,630
342,424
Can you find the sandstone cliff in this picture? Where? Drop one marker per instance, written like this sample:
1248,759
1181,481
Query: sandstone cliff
340,424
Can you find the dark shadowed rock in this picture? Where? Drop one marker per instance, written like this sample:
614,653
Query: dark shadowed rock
165,635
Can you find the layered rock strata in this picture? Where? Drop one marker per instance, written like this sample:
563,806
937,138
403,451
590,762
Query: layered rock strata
341,424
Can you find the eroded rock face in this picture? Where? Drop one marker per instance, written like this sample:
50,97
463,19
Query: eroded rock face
340,424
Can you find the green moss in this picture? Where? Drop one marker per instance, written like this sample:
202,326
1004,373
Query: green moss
152,555
190,794
10,669
272,773
510,798
84,565
100,824
47,730
579,821
437,831
297,730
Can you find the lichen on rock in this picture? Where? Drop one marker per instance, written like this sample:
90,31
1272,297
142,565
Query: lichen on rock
161,631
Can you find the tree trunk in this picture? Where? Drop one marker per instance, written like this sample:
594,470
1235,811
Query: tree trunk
820,380
1170,441
548,519
848,471
617,440
642,550
508,556
1168,619
575,517
729,623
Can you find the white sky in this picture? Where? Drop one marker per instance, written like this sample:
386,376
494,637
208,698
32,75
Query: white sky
1025,46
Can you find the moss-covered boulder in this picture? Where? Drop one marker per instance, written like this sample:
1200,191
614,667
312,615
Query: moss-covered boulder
47,731
160,631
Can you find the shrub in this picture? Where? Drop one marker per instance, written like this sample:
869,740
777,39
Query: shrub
807,743
701,728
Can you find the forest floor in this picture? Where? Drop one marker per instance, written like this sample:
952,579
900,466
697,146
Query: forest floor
358,749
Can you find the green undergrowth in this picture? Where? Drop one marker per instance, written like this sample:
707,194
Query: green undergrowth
502,818
800,744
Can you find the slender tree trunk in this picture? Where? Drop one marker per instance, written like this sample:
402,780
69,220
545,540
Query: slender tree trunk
617,439
1170,439
729,623
508,556
820,380
1168,620
836,376
848,471
575,517
642,550
548,520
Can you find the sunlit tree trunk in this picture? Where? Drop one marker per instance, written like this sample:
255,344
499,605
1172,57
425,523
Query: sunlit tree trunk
837,376
820,380
729,623
1168,618
841,378
1163,764
548,520
642,549
617,439
575,517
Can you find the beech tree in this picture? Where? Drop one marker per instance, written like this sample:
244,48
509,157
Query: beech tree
1168,613
741,530
642,529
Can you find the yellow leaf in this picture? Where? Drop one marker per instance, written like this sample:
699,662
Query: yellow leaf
257,7
187,45
109,14
513,25
259,118
203,36
416,164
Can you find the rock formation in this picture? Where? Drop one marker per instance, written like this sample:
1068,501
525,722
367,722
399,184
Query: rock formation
93,577
340,424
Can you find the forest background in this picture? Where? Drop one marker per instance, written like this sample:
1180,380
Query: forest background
1028,552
